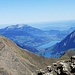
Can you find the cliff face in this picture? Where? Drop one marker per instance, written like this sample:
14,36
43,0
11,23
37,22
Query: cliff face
16,61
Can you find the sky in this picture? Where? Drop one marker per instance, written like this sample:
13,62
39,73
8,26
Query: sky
31,11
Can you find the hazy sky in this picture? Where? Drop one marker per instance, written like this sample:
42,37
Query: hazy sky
28,11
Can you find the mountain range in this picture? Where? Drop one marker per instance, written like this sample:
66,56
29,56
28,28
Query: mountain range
27,37
67,43
17,61
31,38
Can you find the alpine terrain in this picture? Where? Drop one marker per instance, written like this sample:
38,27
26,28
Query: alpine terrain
16,61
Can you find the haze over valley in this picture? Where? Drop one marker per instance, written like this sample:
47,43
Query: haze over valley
37,40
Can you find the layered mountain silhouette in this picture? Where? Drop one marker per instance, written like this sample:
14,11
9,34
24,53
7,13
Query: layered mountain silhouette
25,36
16,61
28,37
31,38
66,44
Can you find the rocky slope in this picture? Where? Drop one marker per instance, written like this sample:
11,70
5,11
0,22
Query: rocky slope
64,66
16,61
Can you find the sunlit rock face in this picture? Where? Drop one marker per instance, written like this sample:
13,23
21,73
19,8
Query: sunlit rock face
62,67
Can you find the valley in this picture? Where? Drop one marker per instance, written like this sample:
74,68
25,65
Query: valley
35,40
37,37
33,50
17,61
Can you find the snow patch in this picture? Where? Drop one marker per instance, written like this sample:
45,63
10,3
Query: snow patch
17,26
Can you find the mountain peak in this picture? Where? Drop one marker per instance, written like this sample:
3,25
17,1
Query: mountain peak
19,26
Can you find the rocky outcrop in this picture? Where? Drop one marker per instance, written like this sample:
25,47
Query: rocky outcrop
62,67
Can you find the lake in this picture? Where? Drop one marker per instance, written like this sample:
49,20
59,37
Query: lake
48,44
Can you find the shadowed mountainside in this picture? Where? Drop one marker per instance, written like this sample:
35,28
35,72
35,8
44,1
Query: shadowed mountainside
66,44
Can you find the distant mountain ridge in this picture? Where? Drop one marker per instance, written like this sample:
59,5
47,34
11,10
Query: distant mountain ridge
17,61
22,27
25,36
66,44
31,38
15,26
